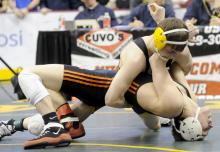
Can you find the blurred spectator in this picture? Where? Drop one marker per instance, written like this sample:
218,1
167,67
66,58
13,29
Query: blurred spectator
3,6
140,16
22,7
181,3
94,10
202,12
111,4
49,5
134,3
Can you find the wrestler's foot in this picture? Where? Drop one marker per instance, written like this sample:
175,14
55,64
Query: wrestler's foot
165,122
53,134
75,129
7,128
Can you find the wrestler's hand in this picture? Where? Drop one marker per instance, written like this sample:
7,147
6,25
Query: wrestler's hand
18,13
214,21
156,57
136,23
45,11
24,11
193,30
157,12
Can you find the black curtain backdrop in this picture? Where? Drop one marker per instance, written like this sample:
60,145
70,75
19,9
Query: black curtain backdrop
54,47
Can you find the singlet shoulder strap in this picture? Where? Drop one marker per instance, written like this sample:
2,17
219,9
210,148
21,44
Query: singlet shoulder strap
141,44
187,91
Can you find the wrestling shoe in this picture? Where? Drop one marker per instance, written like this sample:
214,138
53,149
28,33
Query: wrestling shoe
53,134
7,128
165,122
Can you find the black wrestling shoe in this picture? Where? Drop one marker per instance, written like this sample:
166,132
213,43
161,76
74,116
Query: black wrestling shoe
7,128
53,134
165,122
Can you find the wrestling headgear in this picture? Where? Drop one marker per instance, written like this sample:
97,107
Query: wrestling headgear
160,38
190,128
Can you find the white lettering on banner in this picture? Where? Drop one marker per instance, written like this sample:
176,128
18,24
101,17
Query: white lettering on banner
211,29
199,88
208,97
104,43
14,39
212,39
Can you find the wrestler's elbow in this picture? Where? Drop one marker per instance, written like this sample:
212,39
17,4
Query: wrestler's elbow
187,67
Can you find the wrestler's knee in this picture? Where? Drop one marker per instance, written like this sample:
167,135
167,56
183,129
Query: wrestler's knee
151,121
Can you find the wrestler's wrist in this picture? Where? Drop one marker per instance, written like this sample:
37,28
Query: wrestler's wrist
156,57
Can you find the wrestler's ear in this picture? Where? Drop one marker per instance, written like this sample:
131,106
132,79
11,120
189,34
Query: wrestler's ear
159,39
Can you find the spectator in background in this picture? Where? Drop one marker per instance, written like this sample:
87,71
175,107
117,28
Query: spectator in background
140,16
21,8
49,5
94,10
3,6
181,3
202,12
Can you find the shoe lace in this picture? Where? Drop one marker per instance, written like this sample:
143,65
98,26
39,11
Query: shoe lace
6,129
44,132
48,127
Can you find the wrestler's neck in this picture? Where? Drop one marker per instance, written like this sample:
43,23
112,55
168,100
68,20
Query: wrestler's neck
189,108
149,41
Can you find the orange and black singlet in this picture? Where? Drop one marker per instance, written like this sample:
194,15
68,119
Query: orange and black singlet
90,86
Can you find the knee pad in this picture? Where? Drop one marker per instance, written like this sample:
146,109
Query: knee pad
32,87
36,124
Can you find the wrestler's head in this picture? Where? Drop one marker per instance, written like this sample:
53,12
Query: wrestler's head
170,37
193,128
89,3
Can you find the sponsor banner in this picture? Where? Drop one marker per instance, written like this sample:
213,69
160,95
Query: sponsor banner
205,87
93,62
106,43
18,37
204,77
205,68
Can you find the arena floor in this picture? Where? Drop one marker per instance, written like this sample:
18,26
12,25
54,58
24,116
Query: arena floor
108,130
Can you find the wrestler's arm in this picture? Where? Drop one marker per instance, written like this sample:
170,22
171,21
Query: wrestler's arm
184,59
133,63
169,99
178,76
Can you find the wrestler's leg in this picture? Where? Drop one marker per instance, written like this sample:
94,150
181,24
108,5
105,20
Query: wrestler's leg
34,83
82,110
34,124
150,120
51,77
